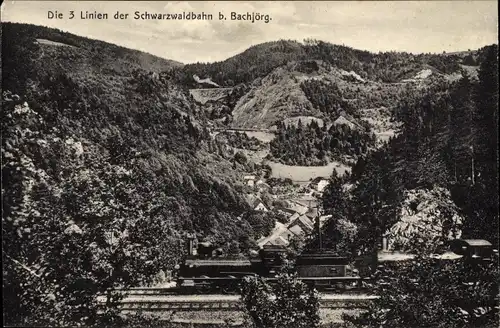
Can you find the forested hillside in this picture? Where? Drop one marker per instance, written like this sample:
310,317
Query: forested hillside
106,166
446,153
437,180
312,145
260,60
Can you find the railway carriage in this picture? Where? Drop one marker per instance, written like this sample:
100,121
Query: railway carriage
473,249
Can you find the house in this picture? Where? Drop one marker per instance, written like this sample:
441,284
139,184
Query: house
322,185
312,214
295,207
472,248
318,184
341,120
260,207
294,217
279,241
304,223
262,186
256,203
287,234
347,187
297,231
279,228
250,180
323,219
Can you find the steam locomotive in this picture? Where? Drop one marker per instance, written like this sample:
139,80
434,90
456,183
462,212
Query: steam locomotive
322,270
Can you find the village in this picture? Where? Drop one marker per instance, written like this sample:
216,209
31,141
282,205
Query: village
299,208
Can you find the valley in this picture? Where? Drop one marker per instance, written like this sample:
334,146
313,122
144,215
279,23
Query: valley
117,165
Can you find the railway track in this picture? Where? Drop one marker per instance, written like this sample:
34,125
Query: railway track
148,299
148,291
157,291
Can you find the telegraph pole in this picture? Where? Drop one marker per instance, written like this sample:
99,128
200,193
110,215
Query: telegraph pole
472,164
318,226
319,232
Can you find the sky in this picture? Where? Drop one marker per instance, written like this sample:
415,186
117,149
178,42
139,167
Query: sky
412,26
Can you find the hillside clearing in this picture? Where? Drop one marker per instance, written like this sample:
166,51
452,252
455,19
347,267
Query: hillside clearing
302,174
53,43
306,120
262,136
203,96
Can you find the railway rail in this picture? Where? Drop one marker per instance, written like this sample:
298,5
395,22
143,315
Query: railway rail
158,291
158,303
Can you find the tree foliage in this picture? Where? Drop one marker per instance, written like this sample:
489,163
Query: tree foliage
312,145
428,219
105,167
327,97
439,170
286,303
445,143
431,293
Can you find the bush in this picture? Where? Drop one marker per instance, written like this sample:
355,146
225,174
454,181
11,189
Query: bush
432,293
240,157
288,303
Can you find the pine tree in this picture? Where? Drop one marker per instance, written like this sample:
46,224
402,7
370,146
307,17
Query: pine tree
462,130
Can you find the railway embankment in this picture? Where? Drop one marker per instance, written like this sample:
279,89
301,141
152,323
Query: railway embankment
218,309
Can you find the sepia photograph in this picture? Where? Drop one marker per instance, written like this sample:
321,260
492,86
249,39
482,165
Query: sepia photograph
250,164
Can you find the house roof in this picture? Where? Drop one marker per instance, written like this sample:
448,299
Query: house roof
312,213
299,203
280,241
322,185
323,219
279,228
287,233
305,221
260,206
298,208
294,217
477,242
296,230
342,120
256,202
314,181
212,262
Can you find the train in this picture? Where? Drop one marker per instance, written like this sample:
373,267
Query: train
211,272
320,269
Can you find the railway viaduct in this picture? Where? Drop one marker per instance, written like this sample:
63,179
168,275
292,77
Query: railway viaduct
243,130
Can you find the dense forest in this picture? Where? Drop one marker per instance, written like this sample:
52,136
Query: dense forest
311,145
241,140
326,97
103,174
447,140
260,60
437,180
